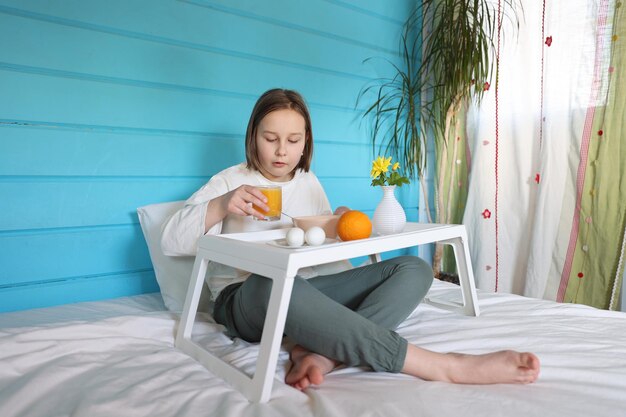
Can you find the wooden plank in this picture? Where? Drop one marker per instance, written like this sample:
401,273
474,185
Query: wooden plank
36,97
40,257
395,10
342,159
76,290
45,149
40,203
322,18
60,151
358,194
72,51
65,202
71,254
209,30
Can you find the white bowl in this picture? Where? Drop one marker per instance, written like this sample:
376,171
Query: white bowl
326,222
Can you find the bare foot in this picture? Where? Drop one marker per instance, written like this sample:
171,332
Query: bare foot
307,368
504,367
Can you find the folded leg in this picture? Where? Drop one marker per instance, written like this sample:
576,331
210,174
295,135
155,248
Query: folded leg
377,298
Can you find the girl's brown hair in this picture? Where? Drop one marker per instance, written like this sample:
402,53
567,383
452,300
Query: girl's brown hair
278,99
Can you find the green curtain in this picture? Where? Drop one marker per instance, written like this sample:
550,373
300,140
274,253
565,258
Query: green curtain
451,181
595,275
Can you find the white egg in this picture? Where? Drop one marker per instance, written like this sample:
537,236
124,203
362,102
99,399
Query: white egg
315,236
295,237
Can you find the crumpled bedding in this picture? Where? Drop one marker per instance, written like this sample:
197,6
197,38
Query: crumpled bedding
117,358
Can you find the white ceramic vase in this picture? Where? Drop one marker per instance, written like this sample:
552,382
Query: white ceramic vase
389,216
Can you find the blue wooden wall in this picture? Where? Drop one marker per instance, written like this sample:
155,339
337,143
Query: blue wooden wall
106,106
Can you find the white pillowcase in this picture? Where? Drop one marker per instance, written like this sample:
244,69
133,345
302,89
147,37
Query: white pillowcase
172,272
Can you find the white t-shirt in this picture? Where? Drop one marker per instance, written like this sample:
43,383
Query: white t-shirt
302,196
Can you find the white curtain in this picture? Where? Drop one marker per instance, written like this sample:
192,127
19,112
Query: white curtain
525,143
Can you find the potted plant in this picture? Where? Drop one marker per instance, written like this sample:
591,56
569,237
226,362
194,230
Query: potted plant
447,60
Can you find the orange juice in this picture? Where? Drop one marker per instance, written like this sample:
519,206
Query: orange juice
274,196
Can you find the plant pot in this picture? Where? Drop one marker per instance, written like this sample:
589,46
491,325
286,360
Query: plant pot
389,216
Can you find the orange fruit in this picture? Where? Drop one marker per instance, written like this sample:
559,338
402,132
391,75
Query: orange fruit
354,225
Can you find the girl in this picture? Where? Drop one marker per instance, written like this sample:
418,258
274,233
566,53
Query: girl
339,315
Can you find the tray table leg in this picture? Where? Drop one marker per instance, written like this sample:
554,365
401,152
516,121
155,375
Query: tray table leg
466,275
466,279
210,361
259,387
192,299
271,339
374,258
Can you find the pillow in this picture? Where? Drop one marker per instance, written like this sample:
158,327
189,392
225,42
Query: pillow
172,272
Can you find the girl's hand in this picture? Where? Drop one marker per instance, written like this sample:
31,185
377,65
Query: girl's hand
238,202
341,209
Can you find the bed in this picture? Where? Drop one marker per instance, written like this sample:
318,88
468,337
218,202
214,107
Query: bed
117,358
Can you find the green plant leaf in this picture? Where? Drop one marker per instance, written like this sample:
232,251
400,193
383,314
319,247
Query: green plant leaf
446,48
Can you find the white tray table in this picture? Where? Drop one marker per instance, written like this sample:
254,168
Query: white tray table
251,252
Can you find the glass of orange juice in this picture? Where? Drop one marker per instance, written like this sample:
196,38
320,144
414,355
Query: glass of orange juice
274,194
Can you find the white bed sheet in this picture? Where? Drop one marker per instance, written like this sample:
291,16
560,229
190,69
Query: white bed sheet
117,358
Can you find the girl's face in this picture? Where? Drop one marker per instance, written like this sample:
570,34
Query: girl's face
280,140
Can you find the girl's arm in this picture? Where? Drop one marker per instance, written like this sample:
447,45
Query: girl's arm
203,213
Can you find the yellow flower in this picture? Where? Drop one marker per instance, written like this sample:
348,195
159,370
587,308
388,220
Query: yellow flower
381,164
382,176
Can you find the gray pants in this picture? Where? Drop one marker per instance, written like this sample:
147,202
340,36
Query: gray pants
349,316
